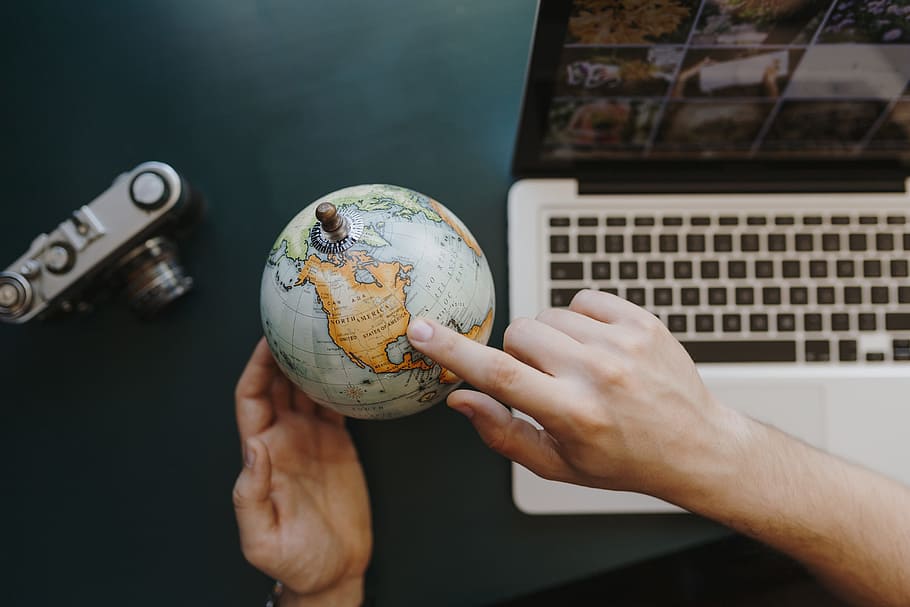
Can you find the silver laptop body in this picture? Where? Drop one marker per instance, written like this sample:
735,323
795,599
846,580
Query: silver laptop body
772,241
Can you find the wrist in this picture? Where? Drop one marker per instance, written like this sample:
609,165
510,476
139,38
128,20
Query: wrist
348,592
716,461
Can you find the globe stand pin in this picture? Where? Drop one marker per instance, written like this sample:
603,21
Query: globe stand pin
336,230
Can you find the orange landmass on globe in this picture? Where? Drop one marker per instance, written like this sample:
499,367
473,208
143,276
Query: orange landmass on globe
455,225
365,316
479,333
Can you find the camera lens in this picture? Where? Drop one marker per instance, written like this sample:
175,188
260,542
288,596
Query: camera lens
15,295
154,276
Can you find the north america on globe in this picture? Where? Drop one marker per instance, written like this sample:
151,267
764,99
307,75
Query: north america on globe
336,304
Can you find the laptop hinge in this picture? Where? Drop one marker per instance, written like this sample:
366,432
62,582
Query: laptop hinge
732,187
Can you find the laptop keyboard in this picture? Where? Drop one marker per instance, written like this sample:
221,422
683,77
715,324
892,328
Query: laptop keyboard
748,287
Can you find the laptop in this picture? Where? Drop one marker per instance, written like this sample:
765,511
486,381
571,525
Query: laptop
740,170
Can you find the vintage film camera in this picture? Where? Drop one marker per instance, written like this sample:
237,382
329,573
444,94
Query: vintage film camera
124,240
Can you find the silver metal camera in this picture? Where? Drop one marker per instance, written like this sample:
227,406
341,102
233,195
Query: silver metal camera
121,241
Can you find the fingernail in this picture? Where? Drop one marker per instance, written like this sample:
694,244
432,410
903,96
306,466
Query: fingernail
466,411
249,454
420,330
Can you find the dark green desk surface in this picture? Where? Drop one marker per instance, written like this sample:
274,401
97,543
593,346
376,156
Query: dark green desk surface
119,442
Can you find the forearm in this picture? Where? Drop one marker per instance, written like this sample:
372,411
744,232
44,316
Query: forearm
850,526
346,594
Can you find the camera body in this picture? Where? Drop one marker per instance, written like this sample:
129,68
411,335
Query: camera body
123,240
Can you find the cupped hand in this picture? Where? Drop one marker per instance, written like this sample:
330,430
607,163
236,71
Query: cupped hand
620,402
301,499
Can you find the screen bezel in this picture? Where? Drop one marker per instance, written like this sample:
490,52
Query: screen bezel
825,173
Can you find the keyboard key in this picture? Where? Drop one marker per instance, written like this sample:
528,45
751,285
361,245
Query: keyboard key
672,221
771,296
840,322
901,349
880,295
872,268
636,296
741,351
784,221
853,295
656,270
884,242
804,242
736,269
717,296
704,323
764,269
840,220
559,244
791,268
559,222
723,243
628,270
663,297
868,220
561,298
645,221
690,296
567,271
600,270
897,321
616,222
748,243
728,220
875,357
818,351
858,242
831,242
813,220
907,242
847,350
668,243
700,221
867,322
682,269
614,243
812,323
903,295
758,323
777,242
732,323
786,323
897,220
745,296
818,268
710,269
588,222
756,221
846,268
587,243
641,243
899,268
611,291
824,295
695,243
799,296
677,323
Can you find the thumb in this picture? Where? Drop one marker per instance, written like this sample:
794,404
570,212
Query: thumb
510,436
252,505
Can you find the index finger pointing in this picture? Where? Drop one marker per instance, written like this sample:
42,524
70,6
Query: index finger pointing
503,377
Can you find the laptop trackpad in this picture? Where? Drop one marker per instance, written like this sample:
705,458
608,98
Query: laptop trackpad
798,410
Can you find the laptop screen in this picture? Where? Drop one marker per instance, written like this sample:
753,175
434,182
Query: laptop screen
778,81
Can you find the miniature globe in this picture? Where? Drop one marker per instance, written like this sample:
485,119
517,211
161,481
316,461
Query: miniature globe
339,290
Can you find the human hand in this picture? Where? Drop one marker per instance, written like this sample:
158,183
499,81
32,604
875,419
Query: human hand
301,499
620,401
